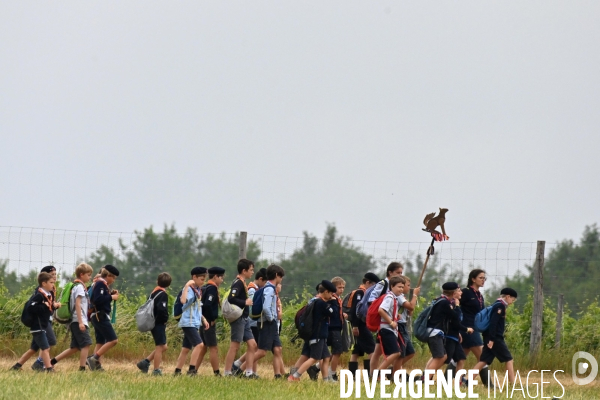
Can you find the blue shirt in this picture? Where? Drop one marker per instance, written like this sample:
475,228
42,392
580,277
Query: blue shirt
192,310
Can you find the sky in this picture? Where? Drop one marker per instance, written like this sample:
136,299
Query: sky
279,117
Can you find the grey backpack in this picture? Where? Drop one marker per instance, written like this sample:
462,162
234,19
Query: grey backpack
145,314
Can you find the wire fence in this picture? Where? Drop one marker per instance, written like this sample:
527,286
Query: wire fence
28,249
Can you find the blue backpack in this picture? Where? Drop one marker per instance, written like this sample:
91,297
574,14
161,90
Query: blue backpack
257,302
178,307
482,319
420,329
362,308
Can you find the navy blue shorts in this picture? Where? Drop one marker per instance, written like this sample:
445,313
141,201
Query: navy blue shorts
159,334
191,337
365,342
454,351
389,342
209,336
317,350
499,350
103,329
437,346
334,339
268,337
471,340
39,341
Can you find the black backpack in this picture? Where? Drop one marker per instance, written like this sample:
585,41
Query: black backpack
304,321
26,317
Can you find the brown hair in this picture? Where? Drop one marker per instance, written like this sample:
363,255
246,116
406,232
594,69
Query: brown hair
43,277
394,280
406,279
393,267
164,280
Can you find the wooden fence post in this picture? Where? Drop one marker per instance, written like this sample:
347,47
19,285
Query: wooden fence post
243,244
538,300
559,317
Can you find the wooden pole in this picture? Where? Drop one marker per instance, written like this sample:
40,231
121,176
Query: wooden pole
429,252
538,300
243,244
559,318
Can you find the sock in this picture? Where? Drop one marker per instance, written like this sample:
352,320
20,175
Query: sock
192,368
296,374
293,370
483,373
177,370
318,365
237,363
453,363
53,361
331,372
367,366
248,372
217,372
96,356
148,361
82,368
353,366
39,359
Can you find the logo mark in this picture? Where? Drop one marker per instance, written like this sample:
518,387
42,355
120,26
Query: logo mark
583,367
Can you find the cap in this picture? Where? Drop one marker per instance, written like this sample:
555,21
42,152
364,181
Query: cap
509,291
216,271
371,277
198,271
112,269
450,286
330,287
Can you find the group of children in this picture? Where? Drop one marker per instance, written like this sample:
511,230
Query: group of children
450,325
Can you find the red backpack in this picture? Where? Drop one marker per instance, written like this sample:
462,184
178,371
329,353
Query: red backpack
373,318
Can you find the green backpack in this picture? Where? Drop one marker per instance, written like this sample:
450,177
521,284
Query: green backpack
64,314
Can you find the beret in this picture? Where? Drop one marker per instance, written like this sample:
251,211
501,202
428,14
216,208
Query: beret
330,287
509,291
112,269
48,268
198,271
216,271
450,286
371,277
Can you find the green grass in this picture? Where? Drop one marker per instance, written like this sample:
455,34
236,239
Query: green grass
123,381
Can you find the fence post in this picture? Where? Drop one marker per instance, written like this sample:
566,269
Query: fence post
243,238
559,317
538,300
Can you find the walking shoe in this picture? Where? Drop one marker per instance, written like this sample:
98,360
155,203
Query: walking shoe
49,370
291,378
192,373
251,376
335,377
15,367
93,364
177,373
313,372
157,372
38,365
144,366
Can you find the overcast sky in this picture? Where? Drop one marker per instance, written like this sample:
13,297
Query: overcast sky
277,117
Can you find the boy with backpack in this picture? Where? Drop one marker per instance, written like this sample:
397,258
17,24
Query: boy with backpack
36,316
315,344
408,307
78,325
389,339
494,345
159,332
260,279
189,312
441,320
456,357
268,338
364,342
101,297
38,364
393,269
210,311
240,328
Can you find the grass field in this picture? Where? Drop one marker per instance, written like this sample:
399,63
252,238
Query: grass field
122,380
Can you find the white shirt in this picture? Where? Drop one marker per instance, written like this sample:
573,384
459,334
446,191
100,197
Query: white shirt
388,306
79,291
